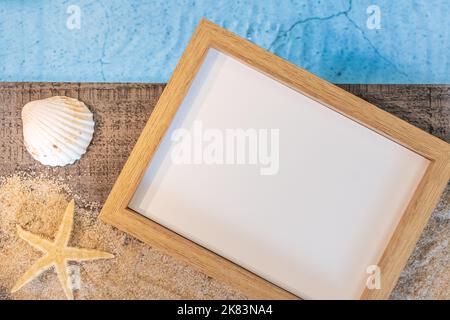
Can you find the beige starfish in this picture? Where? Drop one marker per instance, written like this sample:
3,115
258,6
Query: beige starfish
57,253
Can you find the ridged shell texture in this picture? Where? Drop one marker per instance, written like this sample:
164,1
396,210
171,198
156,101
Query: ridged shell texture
57,130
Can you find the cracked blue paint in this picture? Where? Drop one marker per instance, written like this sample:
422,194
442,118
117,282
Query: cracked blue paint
141,41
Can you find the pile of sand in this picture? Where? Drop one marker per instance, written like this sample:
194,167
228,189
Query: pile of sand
37,203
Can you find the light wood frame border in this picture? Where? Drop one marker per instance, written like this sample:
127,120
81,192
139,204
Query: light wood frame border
208,35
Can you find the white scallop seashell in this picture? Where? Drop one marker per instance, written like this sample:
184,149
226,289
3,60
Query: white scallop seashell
57,130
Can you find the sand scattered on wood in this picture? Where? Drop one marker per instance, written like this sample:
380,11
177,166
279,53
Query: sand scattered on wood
37,203
427,274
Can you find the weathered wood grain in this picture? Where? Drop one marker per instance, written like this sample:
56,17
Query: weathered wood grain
120,112
425,106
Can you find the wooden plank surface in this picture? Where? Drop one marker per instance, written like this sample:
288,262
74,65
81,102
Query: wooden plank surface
121,110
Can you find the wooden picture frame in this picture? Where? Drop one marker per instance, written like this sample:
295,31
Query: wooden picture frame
116,210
